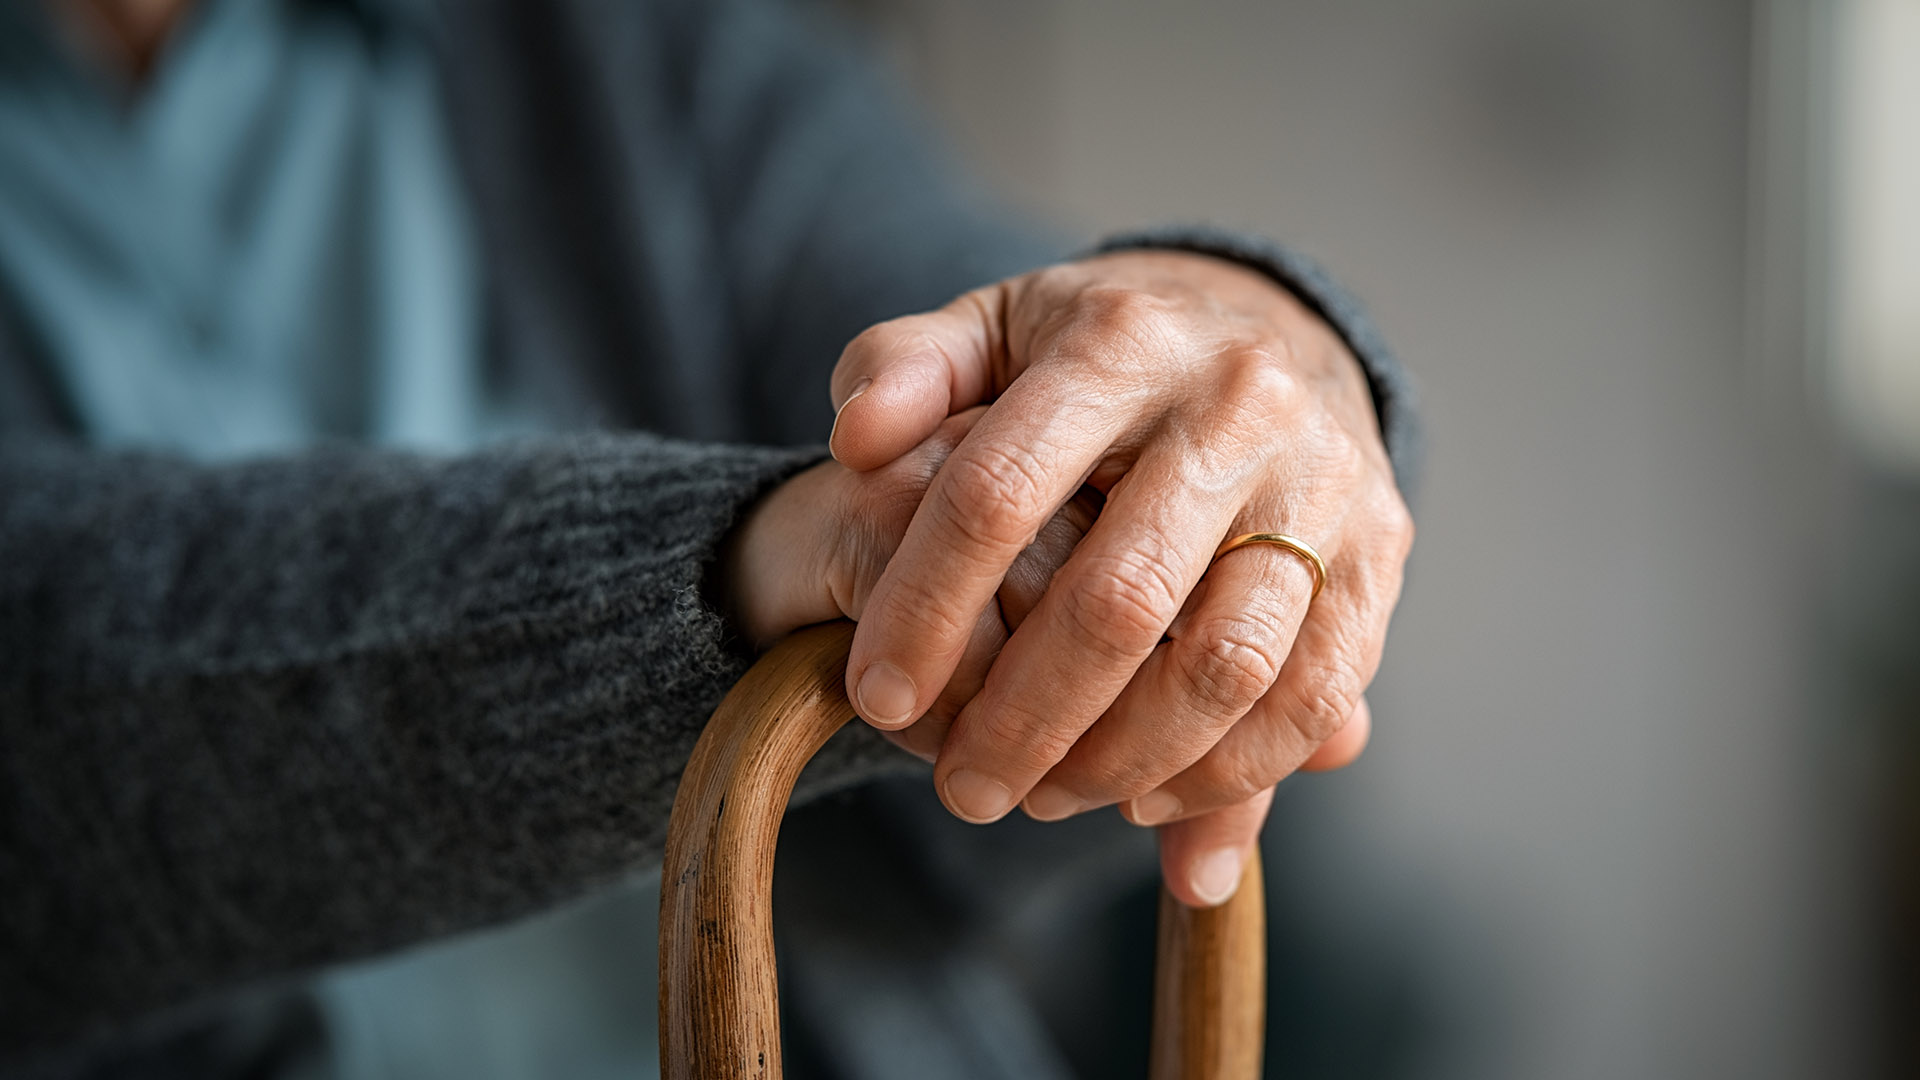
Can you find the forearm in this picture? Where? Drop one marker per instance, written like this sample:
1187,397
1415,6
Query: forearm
269,716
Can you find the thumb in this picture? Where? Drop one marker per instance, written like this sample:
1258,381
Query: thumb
899,379
1203,857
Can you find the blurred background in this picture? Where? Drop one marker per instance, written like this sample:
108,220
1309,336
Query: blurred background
1642,795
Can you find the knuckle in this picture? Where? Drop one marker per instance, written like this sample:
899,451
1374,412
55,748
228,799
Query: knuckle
925,619
1322,704
921,612
1342,457
992,498
1050,282
1397,525
1227,779
1231,665
1121,604
1258,401
1014,734
1372,578
1118,304
1356,464
1264,379
1117,780
1131,314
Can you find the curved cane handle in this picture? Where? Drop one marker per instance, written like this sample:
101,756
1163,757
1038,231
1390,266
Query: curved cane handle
719,996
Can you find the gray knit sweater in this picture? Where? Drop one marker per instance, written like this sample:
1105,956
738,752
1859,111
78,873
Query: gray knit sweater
261,717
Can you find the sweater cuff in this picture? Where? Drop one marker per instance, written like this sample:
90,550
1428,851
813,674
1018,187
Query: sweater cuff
1393,389
635,523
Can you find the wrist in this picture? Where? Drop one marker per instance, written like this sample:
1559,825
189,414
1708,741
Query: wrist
770,577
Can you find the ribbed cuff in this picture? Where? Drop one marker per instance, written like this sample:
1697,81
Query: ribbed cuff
627,527
616,545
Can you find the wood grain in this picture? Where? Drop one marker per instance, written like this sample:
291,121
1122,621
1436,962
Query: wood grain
1210,986
719,995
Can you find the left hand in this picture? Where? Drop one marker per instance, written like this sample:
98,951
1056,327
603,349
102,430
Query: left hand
1203,401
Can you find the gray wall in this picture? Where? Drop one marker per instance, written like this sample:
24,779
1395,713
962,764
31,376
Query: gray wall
1602,817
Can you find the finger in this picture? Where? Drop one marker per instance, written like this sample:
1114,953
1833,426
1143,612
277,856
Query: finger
1017,466
1221,656
1317,695
1346,745
1106,610
899,379
1203,858
1026,581
874,515
925,736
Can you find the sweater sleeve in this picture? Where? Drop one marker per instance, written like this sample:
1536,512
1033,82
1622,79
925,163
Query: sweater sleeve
265,716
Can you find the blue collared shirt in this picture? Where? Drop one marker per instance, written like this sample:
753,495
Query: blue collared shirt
264,245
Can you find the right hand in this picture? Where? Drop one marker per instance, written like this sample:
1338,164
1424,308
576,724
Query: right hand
811,550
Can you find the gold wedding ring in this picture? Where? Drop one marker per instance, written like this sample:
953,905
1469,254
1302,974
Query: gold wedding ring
1294,544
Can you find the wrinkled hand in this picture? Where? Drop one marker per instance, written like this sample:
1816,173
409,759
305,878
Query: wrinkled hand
1202,401
812,549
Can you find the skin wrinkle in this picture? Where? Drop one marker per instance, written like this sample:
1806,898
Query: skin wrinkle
1002,713
1132,571
1220,402
1243,761
1125,562
1129,323
473,840
1006,489
1259,396
1148,766
1247,642
1011,526
1025,583
1030,734
873,511
1222,468
1316,698
1117,600
990,316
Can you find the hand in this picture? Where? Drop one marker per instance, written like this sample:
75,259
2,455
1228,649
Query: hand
1203,401
811,549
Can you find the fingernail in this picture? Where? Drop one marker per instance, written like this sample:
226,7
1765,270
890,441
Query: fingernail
886,696
833,435
1155,807
1049,801
1217,875
978,797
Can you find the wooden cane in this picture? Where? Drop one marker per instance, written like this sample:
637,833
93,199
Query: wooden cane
719,995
